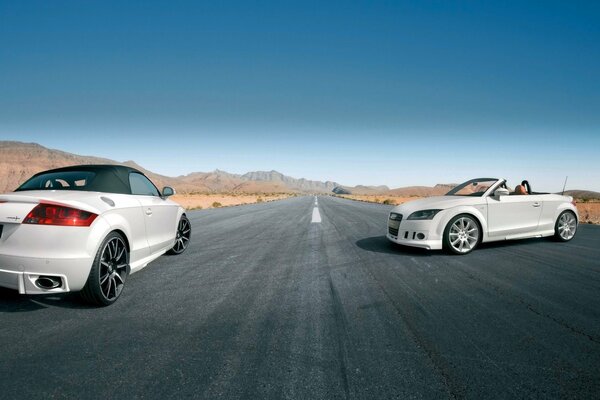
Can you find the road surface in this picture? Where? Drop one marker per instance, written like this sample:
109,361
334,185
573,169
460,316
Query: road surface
273,301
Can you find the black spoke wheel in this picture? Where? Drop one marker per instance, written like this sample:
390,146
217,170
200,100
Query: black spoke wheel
182,236
109,272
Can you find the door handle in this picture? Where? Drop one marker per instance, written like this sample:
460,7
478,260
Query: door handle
148,211
536,204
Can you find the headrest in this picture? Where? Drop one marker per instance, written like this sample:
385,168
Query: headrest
520,189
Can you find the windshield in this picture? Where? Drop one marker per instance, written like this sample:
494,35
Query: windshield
66,180
474,187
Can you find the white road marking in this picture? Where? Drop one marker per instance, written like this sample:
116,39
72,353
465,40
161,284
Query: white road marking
316,217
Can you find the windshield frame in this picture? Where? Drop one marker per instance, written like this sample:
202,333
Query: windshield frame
491,188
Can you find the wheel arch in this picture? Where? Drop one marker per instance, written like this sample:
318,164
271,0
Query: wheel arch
103,232
566,207
451,248
125,238
471,211
133,235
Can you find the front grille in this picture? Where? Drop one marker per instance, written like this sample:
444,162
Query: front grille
394,223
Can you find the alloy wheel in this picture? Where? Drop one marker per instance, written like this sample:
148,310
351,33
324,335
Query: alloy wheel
113,268
567,226
464,235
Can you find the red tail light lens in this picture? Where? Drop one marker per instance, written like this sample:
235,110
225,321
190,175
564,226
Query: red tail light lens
52,214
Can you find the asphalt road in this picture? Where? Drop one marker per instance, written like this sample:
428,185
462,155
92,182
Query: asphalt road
266,304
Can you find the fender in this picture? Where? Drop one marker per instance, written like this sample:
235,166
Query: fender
566,206
131,222
478,211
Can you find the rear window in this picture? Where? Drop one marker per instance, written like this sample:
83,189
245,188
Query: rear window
68,180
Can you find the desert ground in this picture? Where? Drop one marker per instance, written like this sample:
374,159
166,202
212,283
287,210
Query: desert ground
197,201
589,211
379,198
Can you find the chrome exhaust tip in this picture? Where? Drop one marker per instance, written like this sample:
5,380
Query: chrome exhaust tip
48,282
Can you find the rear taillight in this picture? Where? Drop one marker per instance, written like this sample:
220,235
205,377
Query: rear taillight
52,214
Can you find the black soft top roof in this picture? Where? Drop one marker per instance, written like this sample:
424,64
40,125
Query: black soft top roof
108,178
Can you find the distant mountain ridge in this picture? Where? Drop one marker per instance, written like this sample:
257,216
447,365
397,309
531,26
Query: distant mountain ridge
302,185
19,161
583,194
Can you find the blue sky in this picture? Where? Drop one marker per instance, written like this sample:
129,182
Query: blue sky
395,93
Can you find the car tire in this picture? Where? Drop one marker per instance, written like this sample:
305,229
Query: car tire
183,236
565,227
462,234
109,272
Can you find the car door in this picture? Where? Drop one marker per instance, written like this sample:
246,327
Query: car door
513,214
160,214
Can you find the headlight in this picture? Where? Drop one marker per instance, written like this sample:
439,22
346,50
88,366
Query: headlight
395,216
423,214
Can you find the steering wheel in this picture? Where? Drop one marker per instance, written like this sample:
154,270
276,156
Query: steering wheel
527,186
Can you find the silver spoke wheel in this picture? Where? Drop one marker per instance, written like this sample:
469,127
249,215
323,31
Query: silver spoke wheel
113,268
567,226
463,235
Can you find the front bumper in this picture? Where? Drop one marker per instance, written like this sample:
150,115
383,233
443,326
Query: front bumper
416,234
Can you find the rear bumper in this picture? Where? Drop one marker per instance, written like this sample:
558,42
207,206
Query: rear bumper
21,273
30,251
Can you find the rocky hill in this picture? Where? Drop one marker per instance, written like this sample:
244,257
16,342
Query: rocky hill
585,195
300,185
361,190
19,161
422,191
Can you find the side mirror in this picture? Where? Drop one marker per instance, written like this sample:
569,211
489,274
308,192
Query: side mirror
168,191
501,192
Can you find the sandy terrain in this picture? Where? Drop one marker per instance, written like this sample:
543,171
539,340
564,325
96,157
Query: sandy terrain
589,212
383,199
200,201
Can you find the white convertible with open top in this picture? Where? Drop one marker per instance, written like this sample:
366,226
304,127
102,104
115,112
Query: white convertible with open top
482,210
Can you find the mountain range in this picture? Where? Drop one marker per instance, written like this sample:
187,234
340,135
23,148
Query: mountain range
19,161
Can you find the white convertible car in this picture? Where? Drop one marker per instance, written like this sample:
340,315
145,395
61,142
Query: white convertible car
482,210
86,228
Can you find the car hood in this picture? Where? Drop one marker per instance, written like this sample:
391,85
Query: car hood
436,202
